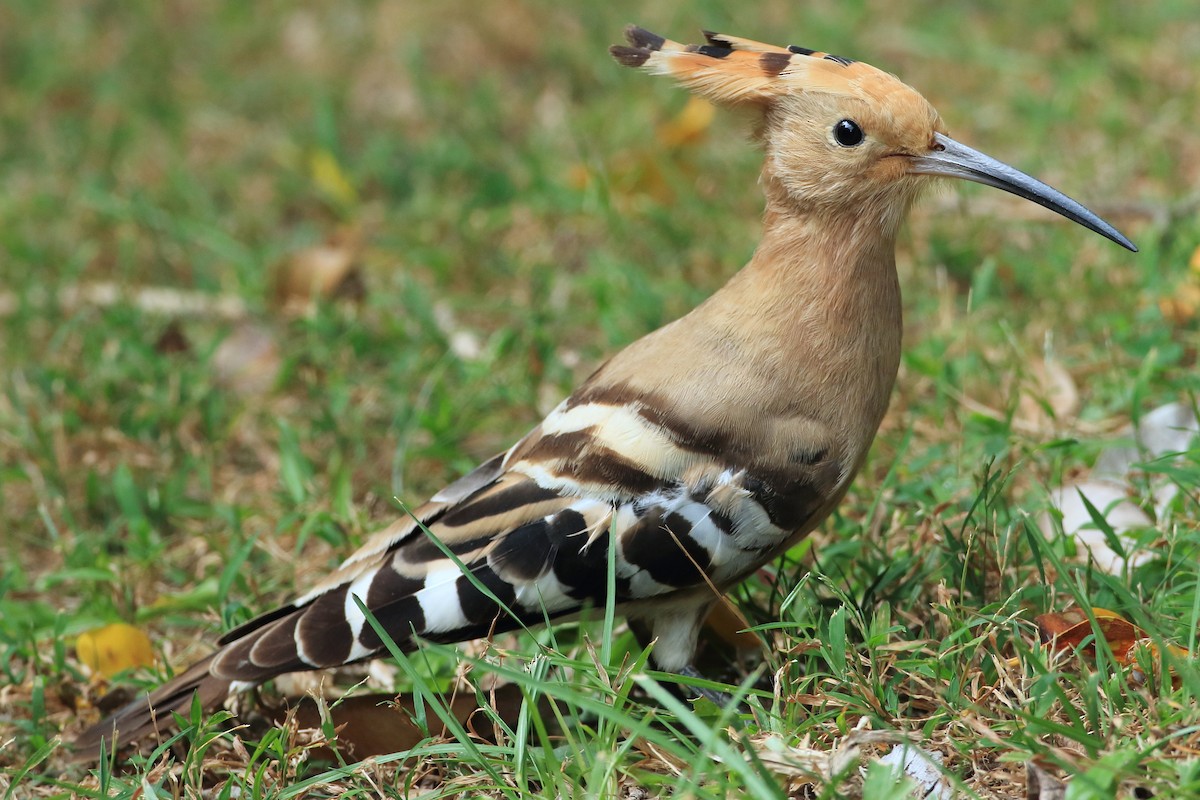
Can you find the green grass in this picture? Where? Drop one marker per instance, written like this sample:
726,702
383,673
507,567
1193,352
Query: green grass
502,173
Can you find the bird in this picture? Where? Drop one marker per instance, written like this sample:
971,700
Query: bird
700,451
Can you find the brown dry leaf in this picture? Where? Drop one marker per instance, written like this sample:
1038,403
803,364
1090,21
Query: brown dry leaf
1048,394
114,648
374,724
172,340
321,271
727,622
801,765
1071,627
1041,785
1126,640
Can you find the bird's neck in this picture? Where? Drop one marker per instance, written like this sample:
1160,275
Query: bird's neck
802,343
818,312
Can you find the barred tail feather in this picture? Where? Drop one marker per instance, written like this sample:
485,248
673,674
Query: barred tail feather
150,713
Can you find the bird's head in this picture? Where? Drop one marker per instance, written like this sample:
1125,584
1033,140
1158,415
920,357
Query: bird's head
839,134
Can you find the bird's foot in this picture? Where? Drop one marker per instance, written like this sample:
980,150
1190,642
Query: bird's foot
717,698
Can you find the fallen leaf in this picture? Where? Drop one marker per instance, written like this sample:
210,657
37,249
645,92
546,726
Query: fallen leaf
689,125
1182,304
321,271
804,765
327,174
114,648
374,724
1069,629
172,339
727,622
1041,785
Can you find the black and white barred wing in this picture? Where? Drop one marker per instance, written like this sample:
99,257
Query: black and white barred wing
534,527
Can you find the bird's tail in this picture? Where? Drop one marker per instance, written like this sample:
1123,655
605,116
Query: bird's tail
150,712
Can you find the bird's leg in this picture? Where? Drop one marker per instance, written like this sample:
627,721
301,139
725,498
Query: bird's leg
674,636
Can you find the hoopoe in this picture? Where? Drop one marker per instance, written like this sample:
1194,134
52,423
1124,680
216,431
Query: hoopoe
700,451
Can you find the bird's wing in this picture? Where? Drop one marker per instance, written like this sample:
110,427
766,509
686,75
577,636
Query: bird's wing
533,526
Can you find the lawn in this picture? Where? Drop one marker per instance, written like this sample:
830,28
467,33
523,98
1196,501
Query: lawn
271,274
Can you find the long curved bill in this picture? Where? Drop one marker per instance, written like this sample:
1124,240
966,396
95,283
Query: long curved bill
956,160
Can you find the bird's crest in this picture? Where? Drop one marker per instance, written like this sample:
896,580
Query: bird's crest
734,71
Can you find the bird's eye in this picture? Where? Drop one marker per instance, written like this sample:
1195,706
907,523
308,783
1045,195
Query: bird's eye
848,134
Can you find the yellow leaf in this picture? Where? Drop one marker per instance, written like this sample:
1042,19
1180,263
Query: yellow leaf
114,648
579,177
1181,307
689,124
327,174
1183,304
